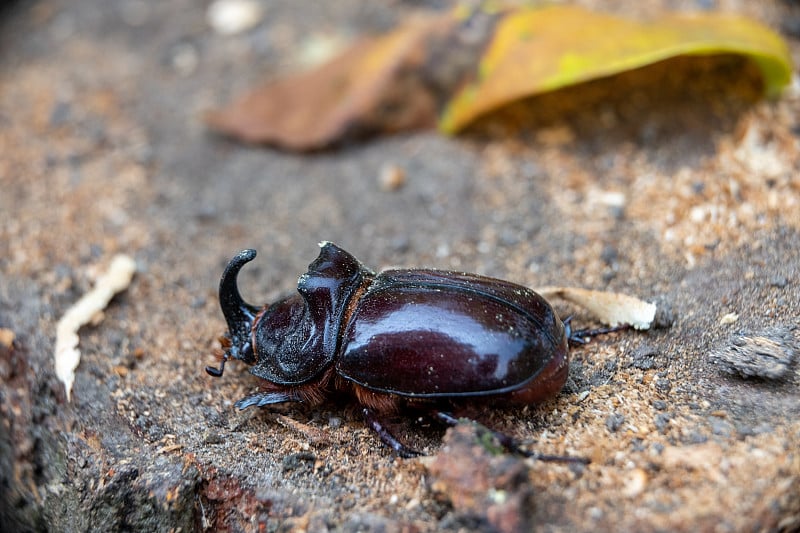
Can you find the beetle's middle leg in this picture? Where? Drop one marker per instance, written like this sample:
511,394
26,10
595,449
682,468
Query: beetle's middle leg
385,435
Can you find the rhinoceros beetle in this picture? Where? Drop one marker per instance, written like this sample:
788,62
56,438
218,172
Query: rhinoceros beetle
419,338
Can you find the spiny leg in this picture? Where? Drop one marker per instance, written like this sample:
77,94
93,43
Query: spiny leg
506,441
261,399
386,437
582,336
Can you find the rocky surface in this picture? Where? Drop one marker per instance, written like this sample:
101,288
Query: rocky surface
687,197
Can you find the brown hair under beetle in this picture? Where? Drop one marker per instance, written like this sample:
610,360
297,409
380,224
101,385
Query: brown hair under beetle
430,339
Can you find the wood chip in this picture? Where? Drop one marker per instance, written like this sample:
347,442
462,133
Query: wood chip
392,177
7,337
229,17
635,483
611,308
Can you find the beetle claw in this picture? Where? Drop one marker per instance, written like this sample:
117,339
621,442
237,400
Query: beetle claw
215,372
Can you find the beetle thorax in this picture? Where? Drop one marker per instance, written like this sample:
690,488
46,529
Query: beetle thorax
282,339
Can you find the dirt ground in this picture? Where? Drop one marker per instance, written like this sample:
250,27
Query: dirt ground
678,188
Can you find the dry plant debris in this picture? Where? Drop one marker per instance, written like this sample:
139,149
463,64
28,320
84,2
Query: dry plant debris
67,356
609,307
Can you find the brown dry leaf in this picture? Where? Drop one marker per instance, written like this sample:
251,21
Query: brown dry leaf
470,62
611,308
372,86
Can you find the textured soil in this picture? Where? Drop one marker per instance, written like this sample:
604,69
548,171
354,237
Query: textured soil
675,185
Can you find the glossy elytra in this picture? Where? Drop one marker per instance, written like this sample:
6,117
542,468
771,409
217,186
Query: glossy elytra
421,338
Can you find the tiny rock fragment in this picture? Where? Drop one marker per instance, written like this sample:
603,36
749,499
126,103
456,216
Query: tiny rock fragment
695,457
609,198
635,483
184,59
611,308
614,422
493,489
768,355
6,337
229,17
67,355
392,177
665,316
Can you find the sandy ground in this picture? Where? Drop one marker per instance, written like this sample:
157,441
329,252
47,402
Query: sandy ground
677,188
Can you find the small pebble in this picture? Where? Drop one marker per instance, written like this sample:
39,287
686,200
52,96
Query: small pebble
614,422
665,316
660,405
7,337
779,282
184,59
768,355
212,437
663,385
298,460
609,255
635,483
720,427
229,17
392,178
644,358
662,421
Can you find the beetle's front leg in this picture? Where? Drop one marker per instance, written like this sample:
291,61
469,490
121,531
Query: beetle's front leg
267,398
386,437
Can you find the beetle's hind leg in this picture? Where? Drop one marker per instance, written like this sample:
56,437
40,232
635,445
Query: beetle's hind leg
374,423
506,441
582,336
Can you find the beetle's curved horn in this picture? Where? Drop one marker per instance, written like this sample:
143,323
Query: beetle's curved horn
238,314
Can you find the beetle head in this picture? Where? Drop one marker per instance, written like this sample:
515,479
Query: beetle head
293,341
238,314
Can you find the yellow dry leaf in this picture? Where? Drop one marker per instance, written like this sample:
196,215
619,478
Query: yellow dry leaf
535,50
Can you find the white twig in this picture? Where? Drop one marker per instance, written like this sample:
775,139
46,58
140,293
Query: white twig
67,356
